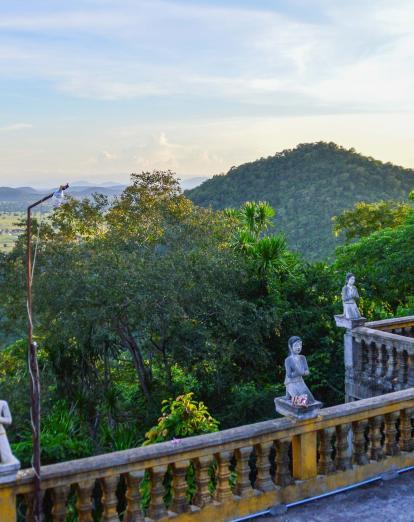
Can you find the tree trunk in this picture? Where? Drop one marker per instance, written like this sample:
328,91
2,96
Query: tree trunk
130,344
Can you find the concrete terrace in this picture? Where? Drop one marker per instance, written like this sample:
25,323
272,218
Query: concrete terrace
383,500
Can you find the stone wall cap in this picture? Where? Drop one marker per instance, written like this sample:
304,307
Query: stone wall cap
342,322
210,442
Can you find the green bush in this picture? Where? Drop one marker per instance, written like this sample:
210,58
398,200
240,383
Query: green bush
181,417
62,438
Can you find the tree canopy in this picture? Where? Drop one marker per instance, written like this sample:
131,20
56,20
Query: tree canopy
365,218
148,301
307,186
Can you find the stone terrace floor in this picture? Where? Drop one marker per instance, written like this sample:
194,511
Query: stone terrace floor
381,501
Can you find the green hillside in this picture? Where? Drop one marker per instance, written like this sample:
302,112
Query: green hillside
307,186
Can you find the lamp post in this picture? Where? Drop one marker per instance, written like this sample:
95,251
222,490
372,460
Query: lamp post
32,356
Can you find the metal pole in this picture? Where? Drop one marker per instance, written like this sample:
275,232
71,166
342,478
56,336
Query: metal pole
34,379
34,369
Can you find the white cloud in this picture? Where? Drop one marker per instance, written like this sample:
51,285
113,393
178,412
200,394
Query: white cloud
198,88
247,56
16,126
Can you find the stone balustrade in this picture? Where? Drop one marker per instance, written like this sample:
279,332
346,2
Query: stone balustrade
228,474
398,325
382,358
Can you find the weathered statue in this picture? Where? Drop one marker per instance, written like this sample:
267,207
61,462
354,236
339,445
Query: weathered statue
349,294
6,455
298,402
296,367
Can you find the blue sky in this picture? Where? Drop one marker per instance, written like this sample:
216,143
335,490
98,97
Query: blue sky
96,89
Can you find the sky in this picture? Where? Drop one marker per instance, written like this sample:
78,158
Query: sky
96,89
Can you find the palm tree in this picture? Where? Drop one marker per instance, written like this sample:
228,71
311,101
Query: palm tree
256,217
268,254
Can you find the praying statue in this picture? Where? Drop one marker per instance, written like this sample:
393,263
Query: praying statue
349,294
297,367
6,455
298,403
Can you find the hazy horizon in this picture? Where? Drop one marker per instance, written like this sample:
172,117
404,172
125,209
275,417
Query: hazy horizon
109,87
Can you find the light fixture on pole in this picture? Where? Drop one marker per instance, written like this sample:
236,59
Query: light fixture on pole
32,355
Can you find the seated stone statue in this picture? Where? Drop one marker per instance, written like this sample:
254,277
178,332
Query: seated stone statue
349,294
6,455
296,367
298,403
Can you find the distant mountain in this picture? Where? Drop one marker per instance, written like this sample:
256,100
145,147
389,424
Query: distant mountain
17,199
111,184
307,186
84,192
190,183
82,183
17,194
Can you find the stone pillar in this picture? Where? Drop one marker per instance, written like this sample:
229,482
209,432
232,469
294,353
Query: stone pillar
304,456
8,504
8,473
352,356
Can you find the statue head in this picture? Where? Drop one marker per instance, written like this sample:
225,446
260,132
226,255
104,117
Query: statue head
350,278
295,345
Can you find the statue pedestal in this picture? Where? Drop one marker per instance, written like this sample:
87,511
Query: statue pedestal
9,471
284,407
349,324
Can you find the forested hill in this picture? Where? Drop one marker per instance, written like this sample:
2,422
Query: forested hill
307,186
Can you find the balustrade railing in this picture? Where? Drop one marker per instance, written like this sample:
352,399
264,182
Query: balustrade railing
232,473
383,358
398,325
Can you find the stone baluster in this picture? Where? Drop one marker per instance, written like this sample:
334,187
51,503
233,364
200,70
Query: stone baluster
325,464
243,485
133,511
202,496
263,479
179,487
343,457
223,490
406,430
381,367
410,370
391,444
59,497
365,373
109,498
375,449
28,500
391,367
84,505
359,442
402,369
283,476
372,362
157,507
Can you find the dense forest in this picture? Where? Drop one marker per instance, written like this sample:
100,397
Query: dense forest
307,186
149,303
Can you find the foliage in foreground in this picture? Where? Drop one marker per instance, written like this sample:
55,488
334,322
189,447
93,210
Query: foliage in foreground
148,297
181,417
